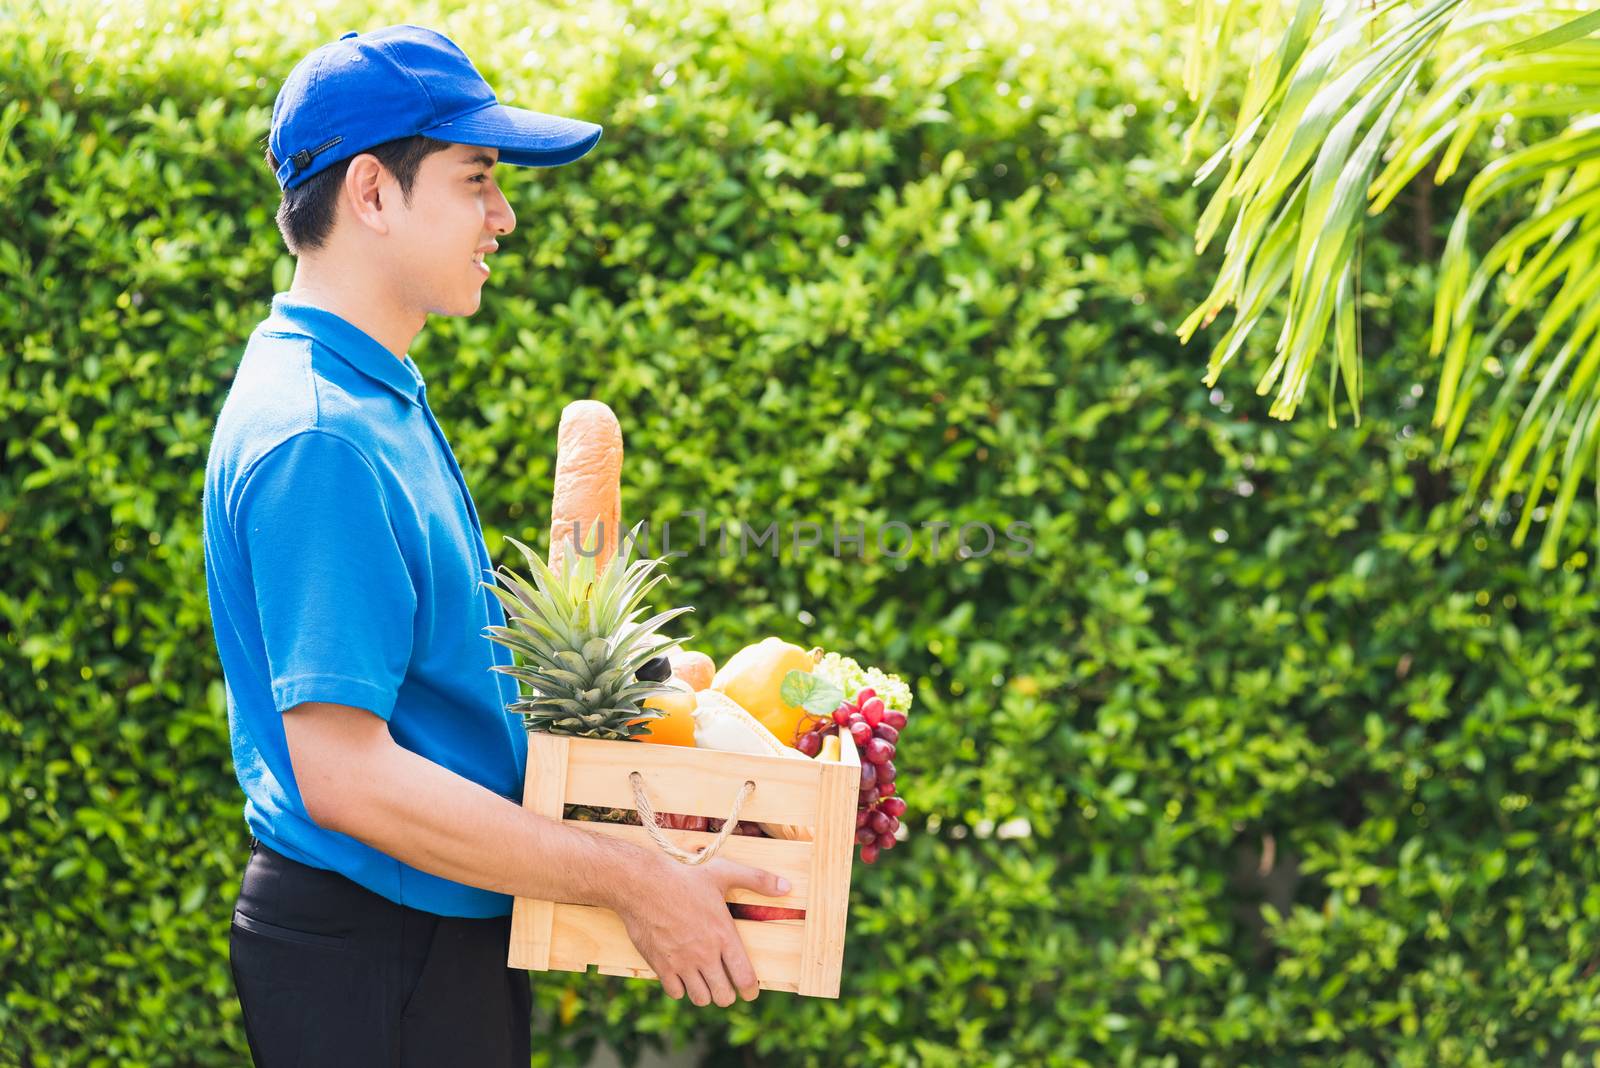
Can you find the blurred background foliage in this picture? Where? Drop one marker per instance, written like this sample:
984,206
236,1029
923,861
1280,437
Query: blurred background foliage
1269,752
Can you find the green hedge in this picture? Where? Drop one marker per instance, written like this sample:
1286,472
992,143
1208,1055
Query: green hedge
1306,756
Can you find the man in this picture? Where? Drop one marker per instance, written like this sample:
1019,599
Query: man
343,562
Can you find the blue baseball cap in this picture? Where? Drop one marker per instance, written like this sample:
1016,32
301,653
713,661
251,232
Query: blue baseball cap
368,88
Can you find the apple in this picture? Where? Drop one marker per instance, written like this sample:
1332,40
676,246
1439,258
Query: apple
764,912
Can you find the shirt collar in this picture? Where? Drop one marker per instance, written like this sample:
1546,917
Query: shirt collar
349,342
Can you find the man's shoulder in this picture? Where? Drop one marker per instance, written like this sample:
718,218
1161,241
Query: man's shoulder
280,395
271,398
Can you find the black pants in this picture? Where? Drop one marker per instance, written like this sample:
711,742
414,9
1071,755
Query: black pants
329,973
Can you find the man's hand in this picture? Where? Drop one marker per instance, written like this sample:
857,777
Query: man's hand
433,819
684,931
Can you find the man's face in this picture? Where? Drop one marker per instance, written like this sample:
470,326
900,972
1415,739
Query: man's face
457,211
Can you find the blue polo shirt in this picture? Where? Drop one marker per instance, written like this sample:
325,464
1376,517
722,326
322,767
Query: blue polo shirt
343,561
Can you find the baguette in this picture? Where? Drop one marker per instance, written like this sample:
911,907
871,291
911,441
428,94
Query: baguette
588,484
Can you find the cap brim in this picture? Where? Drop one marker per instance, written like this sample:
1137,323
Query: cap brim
525,138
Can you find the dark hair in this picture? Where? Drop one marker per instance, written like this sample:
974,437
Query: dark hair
306,215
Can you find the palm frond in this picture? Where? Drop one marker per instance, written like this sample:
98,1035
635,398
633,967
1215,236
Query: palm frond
1349,86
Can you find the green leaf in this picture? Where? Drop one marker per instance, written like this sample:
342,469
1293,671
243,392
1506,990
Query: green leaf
812,692
1582,26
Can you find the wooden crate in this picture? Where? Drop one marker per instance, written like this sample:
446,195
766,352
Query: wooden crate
800,956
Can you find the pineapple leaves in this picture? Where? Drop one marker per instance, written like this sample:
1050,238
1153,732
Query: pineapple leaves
579,643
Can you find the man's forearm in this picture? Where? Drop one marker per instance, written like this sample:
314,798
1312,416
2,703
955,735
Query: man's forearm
441,823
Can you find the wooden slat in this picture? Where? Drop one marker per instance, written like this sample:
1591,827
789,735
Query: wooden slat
696,782
585,935
833,852
790,955
789,859
543,791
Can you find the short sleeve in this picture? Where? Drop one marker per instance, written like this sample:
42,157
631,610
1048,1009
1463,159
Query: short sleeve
336,601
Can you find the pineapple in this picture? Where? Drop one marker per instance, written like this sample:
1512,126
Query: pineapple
580,645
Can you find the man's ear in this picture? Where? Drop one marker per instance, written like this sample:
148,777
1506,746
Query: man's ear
368,189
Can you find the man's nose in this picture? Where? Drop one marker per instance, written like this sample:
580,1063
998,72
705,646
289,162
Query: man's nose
505,220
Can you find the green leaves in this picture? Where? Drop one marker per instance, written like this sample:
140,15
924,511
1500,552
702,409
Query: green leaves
567,629
1539,268
1305,184
1319,90
1215,775
817,695
1576,29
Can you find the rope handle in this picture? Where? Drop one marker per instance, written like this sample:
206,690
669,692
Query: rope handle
647,818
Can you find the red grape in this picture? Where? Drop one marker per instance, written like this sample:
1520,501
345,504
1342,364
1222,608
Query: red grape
869,854
875,730
885,841
810,743
865,836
